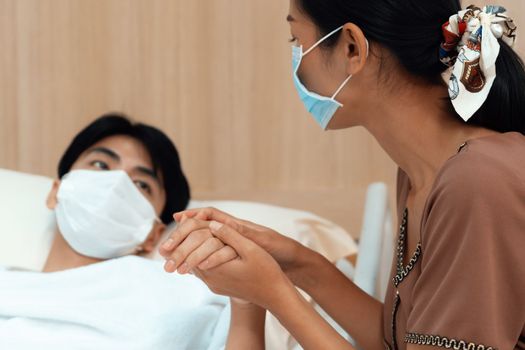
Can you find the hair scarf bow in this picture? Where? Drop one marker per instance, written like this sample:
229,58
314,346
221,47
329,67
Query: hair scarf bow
471,49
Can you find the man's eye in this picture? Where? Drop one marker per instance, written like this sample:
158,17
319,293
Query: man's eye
100,165
143,186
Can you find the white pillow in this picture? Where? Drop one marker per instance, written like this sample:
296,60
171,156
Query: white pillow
27,226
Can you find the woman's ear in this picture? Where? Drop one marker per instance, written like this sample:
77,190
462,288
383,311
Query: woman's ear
51,200
153,239
357,48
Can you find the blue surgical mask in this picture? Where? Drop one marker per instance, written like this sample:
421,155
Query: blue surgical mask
322,108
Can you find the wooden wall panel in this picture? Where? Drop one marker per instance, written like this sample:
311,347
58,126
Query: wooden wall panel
214,74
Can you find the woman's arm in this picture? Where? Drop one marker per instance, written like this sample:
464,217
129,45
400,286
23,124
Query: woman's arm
246,327
305,324
255,276
355,311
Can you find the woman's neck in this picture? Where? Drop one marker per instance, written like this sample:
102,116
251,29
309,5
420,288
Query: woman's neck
63,257
418,134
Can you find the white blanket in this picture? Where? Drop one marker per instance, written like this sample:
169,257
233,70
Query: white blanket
127,303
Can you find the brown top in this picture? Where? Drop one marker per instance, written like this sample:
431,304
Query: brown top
464,287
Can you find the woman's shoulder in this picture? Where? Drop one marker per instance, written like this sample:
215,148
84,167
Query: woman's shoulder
472,240
484,167
479,196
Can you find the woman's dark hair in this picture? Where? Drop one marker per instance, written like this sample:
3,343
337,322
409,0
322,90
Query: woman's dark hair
162,151
411,31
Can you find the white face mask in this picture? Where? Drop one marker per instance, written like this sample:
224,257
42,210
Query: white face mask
102,214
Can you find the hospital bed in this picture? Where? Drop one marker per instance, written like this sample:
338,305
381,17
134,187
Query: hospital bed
27,228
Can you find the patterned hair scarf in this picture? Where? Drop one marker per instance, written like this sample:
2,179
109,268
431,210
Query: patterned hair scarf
471,49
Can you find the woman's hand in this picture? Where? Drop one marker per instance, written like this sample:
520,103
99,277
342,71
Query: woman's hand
254,276
184,251
290,254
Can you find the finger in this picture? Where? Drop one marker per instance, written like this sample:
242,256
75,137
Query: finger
232,238
201,254
212,214
180,233
197,273
253,226
183,218
209,214
189,213
249,230
222,256
206,214
178,257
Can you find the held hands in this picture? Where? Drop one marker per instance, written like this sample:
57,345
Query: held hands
233,256
193,245
252,275
243,260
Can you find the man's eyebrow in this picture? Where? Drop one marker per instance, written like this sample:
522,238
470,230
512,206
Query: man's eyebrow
140,169
289,18
150,173
106,151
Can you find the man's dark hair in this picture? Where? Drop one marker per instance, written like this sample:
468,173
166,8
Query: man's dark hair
162,151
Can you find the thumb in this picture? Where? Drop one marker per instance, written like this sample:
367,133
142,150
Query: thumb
231,237
244,228
251,234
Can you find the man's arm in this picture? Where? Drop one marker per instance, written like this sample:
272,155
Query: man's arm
246,327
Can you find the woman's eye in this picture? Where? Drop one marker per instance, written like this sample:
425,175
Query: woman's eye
143,186
100,165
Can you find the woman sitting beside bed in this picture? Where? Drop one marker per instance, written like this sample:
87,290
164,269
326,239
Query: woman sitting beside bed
119,184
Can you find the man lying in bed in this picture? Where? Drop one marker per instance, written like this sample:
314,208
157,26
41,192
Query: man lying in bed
119,184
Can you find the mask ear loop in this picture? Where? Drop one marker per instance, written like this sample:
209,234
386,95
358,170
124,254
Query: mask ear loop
341,87
350,76
321,40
